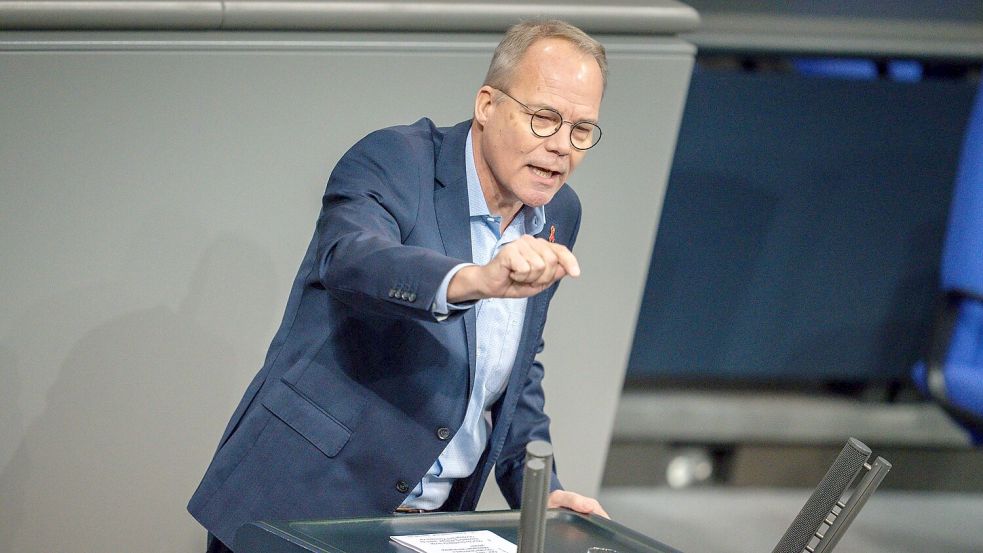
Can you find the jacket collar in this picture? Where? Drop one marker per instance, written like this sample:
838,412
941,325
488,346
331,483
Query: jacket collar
451,193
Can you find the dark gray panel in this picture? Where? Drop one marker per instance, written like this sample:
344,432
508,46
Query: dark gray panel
801,232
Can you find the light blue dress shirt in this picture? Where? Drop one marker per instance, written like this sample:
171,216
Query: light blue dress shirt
498,329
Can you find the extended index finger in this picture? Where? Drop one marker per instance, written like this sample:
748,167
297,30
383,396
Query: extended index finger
566,260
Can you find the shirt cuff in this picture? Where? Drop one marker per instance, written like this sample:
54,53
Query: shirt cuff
440,308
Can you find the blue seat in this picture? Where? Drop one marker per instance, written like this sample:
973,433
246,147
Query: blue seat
952,373
839,68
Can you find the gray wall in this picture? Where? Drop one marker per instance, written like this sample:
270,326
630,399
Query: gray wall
157,192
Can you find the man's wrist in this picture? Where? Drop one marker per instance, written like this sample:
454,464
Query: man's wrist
464,286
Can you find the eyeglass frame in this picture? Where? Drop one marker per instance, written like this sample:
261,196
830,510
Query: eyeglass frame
573,124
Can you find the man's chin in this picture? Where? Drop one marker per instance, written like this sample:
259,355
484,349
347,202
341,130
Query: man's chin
538,200
538,195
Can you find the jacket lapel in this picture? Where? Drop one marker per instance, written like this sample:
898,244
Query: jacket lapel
453,216
532,329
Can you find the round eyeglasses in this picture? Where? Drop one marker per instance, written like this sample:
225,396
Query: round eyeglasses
545,122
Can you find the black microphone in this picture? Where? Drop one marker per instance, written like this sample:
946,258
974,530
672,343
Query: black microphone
827,494
535,495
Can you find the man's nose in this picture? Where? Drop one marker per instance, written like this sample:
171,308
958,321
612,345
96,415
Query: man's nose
559,142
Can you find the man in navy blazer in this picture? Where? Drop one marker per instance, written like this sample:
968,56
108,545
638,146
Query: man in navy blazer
405,366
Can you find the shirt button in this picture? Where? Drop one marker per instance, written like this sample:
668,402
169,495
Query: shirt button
443,433
402,486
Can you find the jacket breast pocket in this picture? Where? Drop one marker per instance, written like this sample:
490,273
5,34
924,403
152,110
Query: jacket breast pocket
316,425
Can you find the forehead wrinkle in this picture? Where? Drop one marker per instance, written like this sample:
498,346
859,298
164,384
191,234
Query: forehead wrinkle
577,104
552,93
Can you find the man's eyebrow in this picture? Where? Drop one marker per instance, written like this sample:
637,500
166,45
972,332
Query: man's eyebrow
542,106
585,120
547,106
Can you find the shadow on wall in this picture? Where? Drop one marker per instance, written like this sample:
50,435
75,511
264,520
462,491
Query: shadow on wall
12,427
135,413
11,417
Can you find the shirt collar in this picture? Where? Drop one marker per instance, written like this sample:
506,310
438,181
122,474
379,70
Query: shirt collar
534,217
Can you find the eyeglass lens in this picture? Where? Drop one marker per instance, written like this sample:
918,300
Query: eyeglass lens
546,122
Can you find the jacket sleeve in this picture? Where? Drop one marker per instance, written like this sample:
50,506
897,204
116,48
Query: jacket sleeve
371,204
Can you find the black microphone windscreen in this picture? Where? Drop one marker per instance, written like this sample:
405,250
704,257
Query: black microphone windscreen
838,478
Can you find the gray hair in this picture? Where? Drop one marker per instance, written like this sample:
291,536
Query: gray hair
520,37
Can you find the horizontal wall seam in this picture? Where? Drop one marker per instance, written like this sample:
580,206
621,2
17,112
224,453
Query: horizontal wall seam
659,18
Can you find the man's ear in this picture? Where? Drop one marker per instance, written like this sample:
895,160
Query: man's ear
484,104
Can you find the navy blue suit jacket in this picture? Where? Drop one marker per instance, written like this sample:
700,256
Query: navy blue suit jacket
361,385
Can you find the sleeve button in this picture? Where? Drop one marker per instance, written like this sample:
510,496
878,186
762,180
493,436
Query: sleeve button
443,433
402,486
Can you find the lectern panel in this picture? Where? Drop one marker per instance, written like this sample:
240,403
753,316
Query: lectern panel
566,532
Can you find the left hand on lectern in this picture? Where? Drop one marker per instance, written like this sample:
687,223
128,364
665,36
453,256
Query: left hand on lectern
576,502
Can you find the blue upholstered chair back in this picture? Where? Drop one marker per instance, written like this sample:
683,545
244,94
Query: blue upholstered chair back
952,373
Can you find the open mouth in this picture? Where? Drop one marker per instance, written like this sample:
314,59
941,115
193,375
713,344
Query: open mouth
543,172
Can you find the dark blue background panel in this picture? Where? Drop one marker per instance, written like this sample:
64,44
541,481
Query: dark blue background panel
801,233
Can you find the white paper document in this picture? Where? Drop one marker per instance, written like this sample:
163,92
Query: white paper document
481,541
